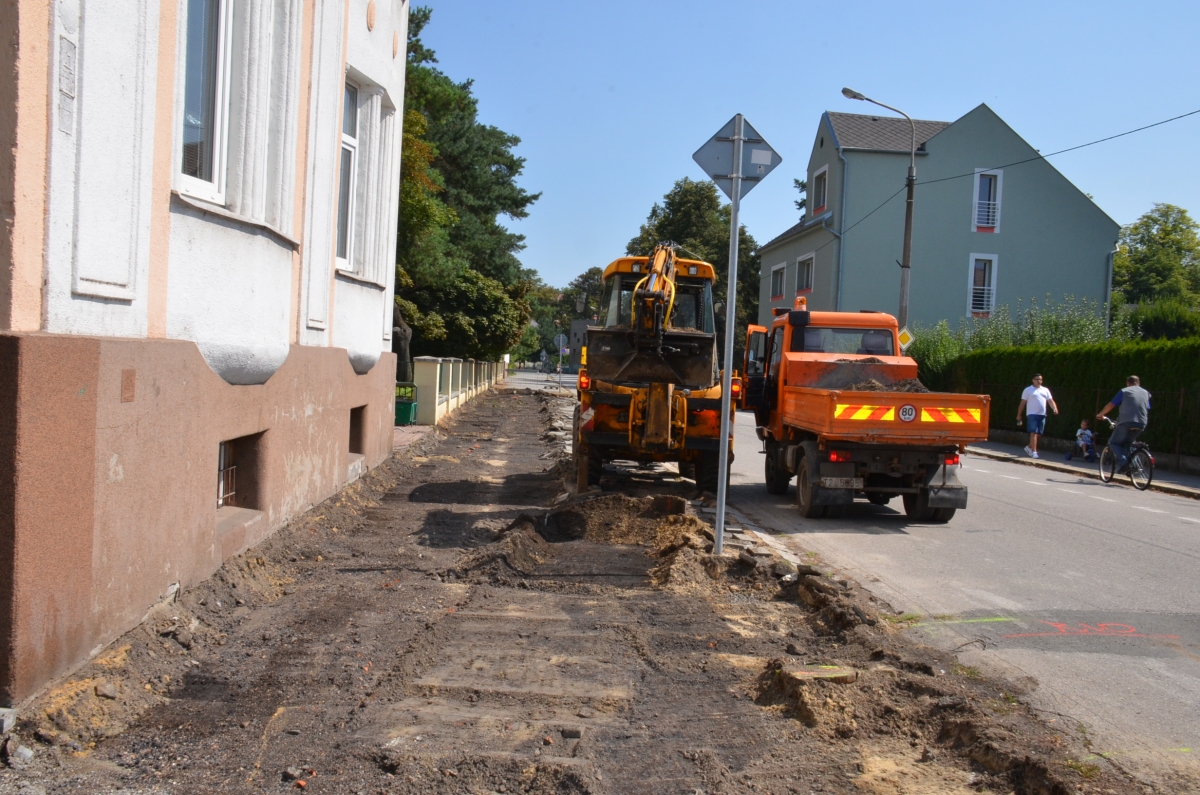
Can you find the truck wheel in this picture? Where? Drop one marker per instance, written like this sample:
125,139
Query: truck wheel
777,476
942,515
688,469
916,507
804,489
876,498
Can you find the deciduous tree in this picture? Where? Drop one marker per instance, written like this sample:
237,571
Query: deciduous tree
1159,258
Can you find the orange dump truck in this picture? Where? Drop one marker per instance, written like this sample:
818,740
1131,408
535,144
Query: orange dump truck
838,409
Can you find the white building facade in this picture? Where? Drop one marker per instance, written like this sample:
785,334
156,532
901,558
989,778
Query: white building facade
198,210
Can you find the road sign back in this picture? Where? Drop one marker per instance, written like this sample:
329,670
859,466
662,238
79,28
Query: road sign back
716,158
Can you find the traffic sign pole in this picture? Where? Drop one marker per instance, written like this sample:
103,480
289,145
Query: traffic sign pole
730,319
723,158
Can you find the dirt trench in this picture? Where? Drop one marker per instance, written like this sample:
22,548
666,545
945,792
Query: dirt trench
452,623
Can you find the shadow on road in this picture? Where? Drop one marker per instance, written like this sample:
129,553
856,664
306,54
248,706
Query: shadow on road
521,489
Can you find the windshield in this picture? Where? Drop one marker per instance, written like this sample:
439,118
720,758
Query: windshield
692,310
869,342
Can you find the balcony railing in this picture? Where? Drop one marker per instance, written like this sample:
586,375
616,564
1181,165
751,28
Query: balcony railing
986,213
226,486
982,299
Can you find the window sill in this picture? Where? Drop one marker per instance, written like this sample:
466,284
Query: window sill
818,211
218,210
777,297
354,277
805,291
236,528
990,230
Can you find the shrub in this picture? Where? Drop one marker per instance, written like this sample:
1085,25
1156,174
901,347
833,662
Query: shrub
1166,320
1084,377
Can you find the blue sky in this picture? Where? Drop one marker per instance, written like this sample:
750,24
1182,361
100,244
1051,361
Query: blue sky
611,99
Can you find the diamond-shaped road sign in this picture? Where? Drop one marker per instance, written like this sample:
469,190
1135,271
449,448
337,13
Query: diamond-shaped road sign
716,158
906,338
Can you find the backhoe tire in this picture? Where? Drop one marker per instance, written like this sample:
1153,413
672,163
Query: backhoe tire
687,469
595,461
777,476
805,476
707,473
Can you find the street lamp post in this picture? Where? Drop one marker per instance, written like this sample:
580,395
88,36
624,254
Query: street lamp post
910,184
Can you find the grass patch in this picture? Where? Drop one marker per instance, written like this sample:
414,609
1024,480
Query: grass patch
1086,770
969,671
904,619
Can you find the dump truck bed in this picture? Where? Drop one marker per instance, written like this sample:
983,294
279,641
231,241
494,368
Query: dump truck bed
916,418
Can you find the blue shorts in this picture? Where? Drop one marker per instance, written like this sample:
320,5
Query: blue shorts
1035,423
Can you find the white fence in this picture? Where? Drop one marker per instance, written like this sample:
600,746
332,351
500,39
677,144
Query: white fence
445,384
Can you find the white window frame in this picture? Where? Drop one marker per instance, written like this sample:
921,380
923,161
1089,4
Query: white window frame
193,186
820,208
995,260
781,270
998,173
346,263
811,260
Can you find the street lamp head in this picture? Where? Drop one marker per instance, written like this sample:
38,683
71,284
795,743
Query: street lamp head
850,93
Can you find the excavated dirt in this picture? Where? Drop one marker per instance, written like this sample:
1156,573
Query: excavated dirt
904,385
451,623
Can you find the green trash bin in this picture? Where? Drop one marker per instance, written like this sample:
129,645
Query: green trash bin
406,404
406,412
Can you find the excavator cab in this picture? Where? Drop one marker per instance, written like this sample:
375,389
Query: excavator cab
656,323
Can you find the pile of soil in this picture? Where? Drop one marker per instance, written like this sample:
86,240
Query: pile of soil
872,385
617,519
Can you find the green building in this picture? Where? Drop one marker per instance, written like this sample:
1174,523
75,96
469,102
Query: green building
993,223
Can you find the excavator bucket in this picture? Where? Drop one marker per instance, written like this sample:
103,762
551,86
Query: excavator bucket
686,359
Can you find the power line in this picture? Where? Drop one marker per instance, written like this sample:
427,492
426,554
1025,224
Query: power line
1068,149
1010,165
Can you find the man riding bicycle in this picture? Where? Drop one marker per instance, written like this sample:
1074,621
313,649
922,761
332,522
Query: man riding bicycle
1134,405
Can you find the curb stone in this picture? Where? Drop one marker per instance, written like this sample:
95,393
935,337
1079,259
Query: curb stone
1166,488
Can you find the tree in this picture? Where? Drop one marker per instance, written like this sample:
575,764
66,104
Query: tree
802,186
1158,258
469,316
530,346
459,283
693,216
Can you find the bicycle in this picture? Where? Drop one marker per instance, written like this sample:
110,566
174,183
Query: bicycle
1140,466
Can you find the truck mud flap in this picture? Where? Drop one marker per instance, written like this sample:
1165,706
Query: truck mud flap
832,496
949,497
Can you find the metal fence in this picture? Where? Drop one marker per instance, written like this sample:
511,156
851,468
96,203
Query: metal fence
1174,426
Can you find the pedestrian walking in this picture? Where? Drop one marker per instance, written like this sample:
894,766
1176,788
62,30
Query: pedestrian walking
1134,405
1034,401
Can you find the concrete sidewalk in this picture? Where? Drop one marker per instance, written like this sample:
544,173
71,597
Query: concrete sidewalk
1169,482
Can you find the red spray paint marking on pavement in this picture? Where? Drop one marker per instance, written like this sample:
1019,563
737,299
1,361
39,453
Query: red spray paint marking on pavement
1103,630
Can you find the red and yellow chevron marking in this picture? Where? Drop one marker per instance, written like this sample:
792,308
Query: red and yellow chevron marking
950,415
845,411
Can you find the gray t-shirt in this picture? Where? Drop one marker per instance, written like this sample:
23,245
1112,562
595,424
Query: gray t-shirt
1134,403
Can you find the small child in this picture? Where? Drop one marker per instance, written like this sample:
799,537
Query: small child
1084,444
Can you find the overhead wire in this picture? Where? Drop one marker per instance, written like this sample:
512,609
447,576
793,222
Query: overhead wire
1009,165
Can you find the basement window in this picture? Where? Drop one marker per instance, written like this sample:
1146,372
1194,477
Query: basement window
238,472
358,439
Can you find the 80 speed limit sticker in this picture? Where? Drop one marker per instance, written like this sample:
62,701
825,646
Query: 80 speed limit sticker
908,413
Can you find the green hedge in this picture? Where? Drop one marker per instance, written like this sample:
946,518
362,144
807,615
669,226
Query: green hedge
1084,377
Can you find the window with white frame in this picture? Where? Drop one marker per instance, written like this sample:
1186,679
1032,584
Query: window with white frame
820,189
986,216
347,176
981,299
804,273
777,280
237,107
205,98
365,169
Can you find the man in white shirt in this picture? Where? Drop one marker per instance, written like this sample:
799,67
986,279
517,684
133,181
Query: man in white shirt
1034,401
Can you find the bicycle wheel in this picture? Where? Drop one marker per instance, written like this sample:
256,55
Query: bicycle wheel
1141,469
1108,464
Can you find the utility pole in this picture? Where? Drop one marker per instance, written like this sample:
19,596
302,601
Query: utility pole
910,184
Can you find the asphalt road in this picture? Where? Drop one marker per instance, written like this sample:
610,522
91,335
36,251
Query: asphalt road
1085,595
